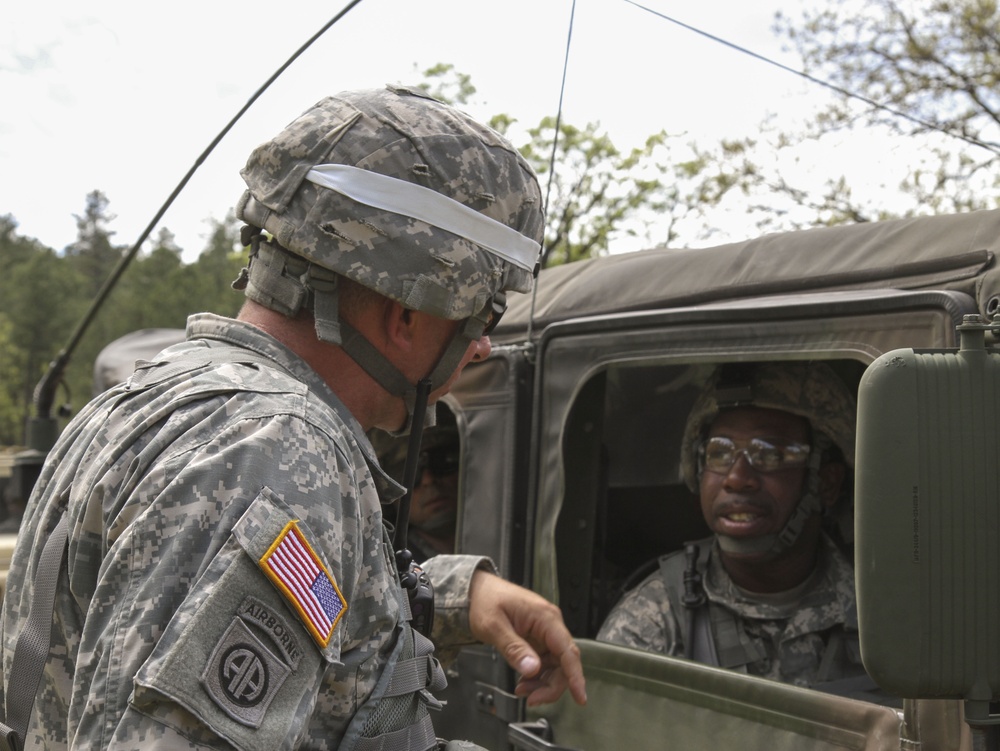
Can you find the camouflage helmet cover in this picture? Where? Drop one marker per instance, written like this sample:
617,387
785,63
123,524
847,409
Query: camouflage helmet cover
409,136
809,389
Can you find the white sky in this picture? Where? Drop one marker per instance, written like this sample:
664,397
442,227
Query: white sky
124,96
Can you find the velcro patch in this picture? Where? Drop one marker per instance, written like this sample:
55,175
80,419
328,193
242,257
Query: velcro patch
257,613
299,574
243,675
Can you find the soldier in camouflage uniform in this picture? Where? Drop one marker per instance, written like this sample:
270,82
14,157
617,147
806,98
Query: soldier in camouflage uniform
229,582
767,449
434,501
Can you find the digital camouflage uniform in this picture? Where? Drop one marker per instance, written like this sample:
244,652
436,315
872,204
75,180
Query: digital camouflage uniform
790,640
229,579
181,487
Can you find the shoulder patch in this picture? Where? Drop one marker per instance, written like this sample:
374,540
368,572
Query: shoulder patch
299,574
243,676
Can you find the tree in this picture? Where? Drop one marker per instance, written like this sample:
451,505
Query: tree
12,360
591,194
42,300
597,193
218,265
445,83
933,66
44,297
151,293
93,252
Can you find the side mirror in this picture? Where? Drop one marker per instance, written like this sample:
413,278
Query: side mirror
927,524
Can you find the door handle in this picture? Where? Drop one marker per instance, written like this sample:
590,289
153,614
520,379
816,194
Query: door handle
533,736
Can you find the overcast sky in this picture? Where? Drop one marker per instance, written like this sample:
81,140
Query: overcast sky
123,96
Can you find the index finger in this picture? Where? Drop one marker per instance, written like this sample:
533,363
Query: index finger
572,667
561,660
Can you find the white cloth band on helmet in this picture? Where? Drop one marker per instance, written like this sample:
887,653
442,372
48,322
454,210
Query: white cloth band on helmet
417,202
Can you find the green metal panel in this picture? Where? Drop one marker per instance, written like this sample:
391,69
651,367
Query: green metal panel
640,701
928,522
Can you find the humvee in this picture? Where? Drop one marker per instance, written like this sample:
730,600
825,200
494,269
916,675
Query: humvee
570,441
569,477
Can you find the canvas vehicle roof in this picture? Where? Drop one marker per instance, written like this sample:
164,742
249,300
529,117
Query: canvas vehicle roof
944,252
117,360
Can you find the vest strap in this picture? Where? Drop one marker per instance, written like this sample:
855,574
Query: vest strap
716,634
32,649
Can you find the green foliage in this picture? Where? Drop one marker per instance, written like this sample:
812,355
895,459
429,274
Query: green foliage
12,362
935,60
44,297
41,299
212,275
443,82
934,67
593,189
598,193
93,253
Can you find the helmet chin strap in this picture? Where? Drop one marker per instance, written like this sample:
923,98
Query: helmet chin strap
286,283
810,504
422,391
776,544
388,376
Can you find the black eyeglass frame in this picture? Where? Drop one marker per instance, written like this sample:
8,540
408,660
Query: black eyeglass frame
440,460
790,455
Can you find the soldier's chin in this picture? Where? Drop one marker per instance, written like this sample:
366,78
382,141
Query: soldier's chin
746,547
442,523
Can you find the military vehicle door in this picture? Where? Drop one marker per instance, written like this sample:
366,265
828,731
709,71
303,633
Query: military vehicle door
602,496
492,406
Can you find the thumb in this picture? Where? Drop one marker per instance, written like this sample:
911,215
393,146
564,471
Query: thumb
521,657
493,622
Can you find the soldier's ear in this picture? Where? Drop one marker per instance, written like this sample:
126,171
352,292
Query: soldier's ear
831,479
400,323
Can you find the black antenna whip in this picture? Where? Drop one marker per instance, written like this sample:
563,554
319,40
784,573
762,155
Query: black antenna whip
552,161
42,428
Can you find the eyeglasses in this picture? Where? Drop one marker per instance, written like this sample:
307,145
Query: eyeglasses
719,454
498,306
440,461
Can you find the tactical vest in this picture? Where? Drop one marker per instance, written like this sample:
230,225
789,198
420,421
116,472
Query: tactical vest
712,634
395,717
715,635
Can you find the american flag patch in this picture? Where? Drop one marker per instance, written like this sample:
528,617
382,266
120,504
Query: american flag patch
297,571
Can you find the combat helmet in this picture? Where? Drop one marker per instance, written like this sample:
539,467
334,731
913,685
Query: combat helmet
808,389
402,194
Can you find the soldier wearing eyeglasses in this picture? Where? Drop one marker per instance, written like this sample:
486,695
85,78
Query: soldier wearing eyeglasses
768,449
434,505
434,501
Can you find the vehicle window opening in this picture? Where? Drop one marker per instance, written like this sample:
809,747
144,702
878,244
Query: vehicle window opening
625,501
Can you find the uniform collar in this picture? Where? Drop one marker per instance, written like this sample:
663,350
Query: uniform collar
215,328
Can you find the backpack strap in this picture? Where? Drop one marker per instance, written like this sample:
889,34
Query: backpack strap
32,648
735,647
715,634
691,610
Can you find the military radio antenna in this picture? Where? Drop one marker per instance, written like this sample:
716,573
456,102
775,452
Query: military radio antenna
552,166
42,429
